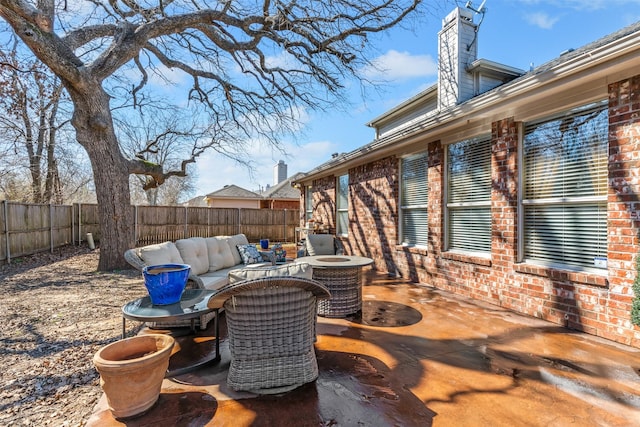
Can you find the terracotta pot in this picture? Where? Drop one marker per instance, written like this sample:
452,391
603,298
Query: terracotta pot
131,372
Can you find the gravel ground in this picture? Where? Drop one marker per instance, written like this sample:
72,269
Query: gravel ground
56,312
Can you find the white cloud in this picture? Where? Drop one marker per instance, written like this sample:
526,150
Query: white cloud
582,5
541,19
215,171
395,65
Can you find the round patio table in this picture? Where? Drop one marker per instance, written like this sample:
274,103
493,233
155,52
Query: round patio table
191,352
342,275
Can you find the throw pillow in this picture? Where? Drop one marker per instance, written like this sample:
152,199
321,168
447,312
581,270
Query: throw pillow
280,253
249,254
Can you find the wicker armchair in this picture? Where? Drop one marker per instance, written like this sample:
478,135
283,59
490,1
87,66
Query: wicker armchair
321,244
271,323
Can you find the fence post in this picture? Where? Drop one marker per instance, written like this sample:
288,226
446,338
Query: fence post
50,227
186,221
135,225
239,220
79,224
6,229
284,225
73,225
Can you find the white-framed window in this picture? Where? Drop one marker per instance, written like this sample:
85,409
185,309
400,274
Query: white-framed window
414,200
468,196
342,205
563,191
308,203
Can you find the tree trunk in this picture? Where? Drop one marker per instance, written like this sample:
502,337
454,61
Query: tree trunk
94,131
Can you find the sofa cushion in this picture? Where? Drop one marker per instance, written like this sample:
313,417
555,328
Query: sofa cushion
194,253
233,242
249,254
161,253
219,253
320,244
293,269
213,281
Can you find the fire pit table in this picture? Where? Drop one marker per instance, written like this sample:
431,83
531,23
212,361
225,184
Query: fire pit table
342,275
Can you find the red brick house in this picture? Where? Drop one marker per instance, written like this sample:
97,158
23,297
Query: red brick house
512,187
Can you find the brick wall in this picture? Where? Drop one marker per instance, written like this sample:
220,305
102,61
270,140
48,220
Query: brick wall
324,201
373,211
596,304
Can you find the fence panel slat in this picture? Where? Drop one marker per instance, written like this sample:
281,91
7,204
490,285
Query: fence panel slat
30,228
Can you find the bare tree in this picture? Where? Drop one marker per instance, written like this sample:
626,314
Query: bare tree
253,63
31,98
166,138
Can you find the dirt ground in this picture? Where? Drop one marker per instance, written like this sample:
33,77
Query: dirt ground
56,312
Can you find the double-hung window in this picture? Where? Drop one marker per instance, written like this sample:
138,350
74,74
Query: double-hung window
342,205
468,197
564,189
414,200
308,203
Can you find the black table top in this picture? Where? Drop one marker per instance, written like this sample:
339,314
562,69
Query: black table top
193,303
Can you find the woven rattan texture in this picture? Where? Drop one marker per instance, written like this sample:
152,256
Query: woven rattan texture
271,337
345,285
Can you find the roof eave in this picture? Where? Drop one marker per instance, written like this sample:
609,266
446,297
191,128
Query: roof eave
592,64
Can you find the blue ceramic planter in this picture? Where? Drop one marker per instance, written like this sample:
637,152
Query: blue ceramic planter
165,282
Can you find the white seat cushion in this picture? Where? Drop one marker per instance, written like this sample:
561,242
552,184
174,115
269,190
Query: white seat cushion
220,255
213,281
233,242
293,269
194,253
161,253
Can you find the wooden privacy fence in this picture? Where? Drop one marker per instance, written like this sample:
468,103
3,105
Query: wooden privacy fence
29,228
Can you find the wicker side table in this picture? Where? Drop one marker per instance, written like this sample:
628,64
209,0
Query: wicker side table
342,275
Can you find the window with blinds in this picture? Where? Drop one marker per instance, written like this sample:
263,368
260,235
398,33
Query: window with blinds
414,200
469,195
564,194
342,205
308,203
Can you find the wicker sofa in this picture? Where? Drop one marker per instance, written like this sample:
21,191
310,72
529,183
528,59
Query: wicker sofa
211,259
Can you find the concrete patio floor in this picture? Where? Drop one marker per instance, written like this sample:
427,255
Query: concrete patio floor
418,357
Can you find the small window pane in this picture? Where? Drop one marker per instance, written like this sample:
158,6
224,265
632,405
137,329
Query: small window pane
572,235
468,229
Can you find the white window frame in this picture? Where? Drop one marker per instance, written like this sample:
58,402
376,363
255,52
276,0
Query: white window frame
450,206
405,208
342,210
573,201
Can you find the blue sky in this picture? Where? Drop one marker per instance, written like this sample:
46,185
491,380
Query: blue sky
517,33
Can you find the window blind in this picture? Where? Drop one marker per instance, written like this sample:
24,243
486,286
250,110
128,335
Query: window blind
414,199
343,205
469,195
565,188
308,201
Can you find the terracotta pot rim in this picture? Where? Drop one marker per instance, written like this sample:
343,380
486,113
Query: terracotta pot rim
166,346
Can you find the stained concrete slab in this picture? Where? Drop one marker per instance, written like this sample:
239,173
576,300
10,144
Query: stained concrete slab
418,356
